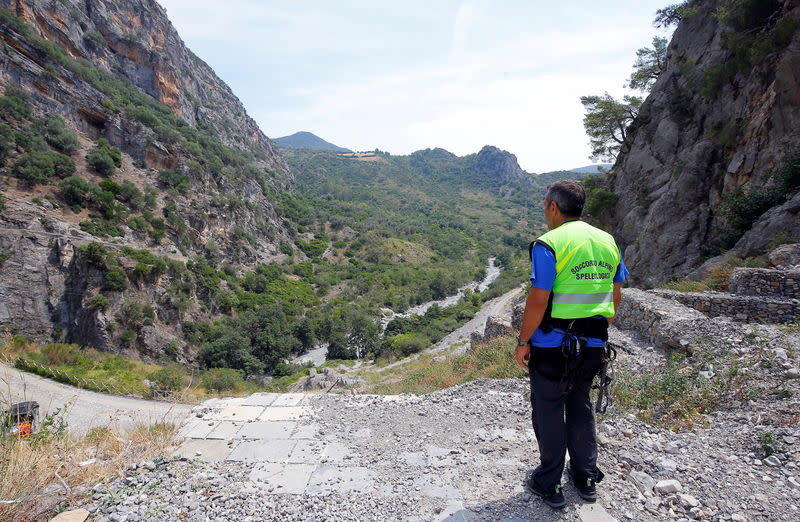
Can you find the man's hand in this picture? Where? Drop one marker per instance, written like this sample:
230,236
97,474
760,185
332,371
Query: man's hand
523,355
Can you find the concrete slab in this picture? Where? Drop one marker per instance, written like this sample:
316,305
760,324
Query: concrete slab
198,429
305,431
454,512
336,453
261,399
209,450
273,413
594,513
412,459
439,457
225,430
282,478
307,452
342,479
289,399
267,430
241,413
437,486
275,451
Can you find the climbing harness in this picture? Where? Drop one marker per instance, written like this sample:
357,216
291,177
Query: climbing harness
606,375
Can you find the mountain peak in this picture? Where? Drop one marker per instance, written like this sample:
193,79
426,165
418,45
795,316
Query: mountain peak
308,140
498,163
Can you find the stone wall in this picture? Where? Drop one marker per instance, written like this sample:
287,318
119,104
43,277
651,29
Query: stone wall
744,308
765,281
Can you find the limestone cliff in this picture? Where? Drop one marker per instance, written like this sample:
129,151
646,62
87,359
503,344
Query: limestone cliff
721,115
118,70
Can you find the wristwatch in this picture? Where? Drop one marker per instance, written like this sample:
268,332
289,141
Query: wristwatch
520,343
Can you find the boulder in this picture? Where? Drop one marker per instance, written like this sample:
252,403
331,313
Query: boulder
786,256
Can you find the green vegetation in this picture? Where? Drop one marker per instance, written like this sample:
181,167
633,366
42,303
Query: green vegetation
37,167
753,36
494,360
104,158
716,278
600,202
60,137
741,207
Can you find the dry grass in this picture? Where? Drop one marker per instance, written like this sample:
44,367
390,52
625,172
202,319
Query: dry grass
494,360
716,278
55,468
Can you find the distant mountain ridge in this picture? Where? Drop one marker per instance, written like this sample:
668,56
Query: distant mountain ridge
592,169
307,140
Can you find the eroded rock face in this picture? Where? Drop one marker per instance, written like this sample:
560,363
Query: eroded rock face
137,39
690,148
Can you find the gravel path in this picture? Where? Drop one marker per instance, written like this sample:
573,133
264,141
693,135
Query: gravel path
85,409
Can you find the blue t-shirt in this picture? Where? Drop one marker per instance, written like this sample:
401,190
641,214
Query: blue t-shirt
543,275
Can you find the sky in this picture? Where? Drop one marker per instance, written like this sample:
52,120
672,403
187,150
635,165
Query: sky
405,76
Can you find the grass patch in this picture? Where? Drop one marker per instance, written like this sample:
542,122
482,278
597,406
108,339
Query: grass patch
73,365
716,278
494,360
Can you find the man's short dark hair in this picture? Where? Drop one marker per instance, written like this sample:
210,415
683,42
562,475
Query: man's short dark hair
568,195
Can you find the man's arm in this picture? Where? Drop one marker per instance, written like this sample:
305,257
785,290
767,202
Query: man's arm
534,311
617,301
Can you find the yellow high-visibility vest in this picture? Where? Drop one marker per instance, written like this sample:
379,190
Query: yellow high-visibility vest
586,261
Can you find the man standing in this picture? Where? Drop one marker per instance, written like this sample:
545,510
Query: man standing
576,276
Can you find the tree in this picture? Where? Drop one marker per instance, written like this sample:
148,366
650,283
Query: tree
672,14
607,122
649,65
364,336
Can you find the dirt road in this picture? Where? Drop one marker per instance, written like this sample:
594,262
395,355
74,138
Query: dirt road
84,409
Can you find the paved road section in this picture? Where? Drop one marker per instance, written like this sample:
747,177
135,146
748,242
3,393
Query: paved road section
85,409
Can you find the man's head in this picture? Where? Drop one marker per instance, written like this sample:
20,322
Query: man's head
564,201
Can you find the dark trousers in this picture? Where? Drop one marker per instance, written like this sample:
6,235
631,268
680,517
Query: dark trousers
563,418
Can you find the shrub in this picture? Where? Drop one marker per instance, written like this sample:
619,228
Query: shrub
101,227
95,254
221,379
174,179
408,343
127,337
15,104
286,248
37,167
168,378
116,280
59,136
101,161
99,302
75,191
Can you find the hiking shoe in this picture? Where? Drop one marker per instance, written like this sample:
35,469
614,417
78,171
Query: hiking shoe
586,488
553,498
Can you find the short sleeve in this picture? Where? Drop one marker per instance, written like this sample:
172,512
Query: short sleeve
622,272
543,268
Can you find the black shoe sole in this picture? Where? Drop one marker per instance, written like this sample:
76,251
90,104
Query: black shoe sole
541,494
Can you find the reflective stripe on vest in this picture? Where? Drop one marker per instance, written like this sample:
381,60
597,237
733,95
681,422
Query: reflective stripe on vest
586,261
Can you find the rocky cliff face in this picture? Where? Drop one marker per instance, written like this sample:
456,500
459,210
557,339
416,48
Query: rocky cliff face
709,125
118,70
133,38
499,164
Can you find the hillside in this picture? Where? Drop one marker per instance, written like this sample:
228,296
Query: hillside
307,140
145,214
713,162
